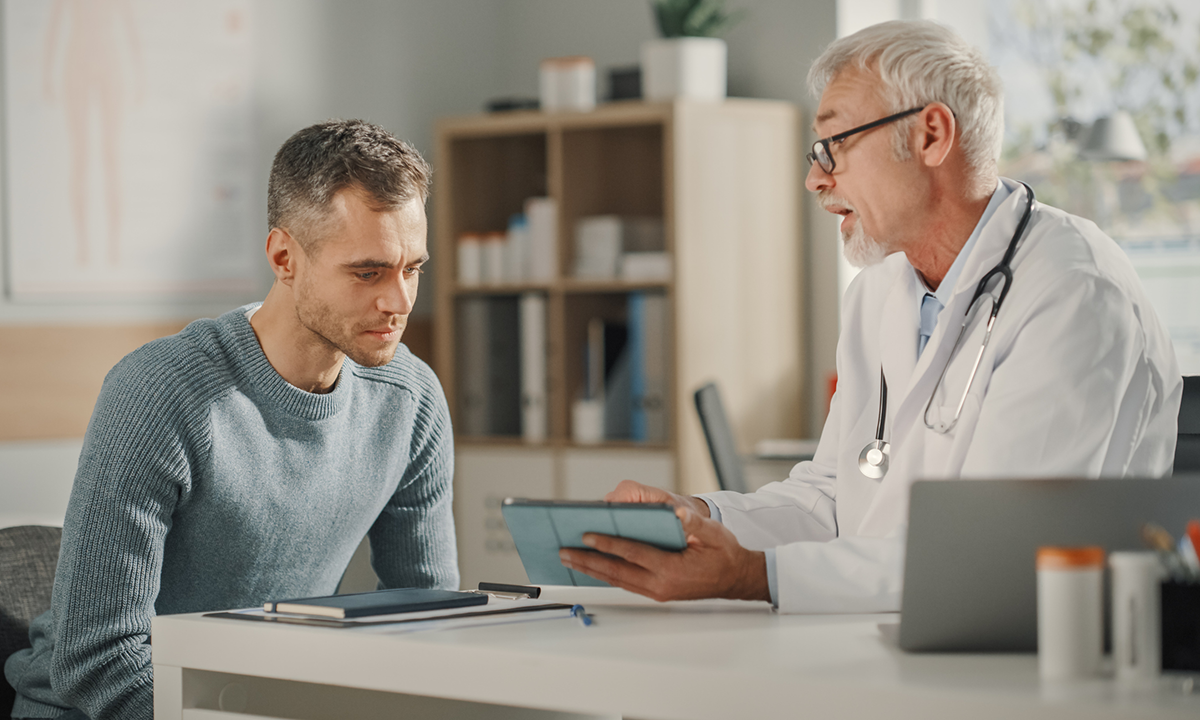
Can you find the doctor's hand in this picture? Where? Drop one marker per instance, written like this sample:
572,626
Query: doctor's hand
712,565
635,492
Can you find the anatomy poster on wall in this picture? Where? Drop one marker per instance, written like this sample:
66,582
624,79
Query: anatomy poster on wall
128,149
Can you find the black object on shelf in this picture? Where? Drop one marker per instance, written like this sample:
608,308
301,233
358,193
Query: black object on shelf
1181,626
625,83
508,104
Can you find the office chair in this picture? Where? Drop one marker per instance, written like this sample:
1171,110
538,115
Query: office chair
721,444
28,558
1187,446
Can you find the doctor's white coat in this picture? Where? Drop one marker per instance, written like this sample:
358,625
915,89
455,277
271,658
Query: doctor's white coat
1079,379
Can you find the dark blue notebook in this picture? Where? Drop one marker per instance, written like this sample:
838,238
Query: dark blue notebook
380,602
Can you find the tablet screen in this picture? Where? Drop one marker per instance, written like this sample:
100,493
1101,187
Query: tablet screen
540,527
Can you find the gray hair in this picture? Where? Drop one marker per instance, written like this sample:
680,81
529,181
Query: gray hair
319,161
919,62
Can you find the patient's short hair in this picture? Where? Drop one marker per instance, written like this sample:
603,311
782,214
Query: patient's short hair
319,161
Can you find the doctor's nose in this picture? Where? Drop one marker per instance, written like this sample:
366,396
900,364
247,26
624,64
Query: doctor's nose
817,179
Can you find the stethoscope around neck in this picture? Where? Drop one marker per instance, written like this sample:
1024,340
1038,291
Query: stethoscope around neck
874,458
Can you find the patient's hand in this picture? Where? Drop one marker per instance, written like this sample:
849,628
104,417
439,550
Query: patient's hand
635,492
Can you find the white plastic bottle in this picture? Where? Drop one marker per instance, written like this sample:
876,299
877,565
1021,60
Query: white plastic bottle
1070,611
1136,615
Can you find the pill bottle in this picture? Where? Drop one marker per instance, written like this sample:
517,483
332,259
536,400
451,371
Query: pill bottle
1070,597
1136,616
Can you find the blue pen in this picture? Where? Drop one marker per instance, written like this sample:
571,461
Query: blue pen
579,612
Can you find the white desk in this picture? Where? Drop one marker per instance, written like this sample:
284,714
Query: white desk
637,662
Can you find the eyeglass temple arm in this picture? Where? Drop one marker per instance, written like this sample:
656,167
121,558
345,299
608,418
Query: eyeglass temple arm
881,121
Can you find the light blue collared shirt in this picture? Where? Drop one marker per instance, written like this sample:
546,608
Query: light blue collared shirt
930,306
931,303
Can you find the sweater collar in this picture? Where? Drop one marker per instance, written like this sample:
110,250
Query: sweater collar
254,368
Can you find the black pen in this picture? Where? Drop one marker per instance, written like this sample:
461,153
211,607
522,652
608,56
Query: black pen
528,591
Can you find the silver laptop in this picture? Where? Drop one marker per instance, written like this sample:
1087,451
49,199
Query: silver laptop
969,576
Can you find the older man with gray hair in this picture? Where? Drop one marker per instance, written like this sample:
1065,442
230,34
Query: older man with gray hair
245,458
989,336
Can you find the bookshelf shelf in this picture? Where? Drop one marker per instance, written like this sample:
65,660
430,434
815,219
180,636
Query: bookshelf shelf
575,285
567,285
719,186
503,288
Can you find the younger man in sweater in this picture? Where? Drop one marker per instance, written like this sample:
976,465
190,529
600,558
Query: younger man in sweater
245,458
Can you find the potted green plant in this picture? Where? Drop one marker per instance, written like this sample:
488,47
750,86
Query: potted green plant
689,60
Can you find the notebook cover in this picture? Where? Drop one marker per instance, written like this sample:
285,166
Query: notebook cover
380,602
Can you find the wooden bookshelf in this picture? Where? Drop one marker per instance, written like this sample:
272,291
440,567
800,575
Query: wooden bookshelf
724,178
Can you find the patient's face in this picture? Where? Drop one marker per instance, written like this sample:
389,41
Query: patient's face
356,286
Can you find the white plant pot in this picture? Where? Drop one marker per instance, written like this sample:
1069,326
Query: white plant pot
687,67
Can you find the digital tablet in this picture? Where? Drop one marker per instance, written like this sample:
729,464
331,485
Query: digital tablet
540,527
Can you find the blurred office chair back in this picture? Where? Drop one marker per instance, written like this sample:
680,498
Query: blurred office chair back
721,444
1187,447
28,558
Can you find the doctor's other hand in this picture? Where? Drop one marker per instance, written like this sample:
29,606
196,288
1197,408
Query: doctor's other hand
635,492
713,565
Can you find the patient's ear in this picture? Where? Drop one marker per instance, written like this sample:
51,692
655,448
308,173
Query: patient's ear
282,253
936,128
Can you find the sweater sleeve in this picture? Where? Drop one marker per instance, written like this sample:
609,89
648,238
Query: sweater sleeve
412,541
131,471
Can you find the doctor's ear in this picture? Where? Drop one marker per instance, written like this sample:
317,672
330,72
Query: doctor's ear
283,251
936,130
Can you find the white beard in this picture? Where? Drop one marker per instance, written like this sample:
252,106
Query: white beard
862,250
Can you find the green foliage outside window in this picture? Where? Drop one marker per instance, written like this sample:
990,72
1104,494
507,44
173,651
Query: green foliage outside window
693,18
1141,56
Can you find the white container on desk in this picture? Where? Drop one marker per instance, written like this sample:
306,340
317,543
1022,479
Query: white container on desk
1136,615
1070,601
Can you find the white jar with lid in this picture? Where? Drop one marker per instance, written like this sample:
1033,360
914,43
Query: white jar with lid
1070,599
567,83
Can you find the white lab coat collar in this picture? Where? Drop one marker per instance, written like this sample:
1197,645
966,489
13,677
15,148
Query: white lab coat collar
949,284
910,391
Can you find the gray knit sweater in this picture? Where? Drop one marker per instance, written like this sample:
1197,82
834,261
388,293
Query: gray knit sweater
207,482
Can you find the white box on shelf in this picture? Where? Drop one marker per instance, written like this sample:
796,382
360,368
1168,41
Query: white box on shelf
470,259
598,244
493,258
637,266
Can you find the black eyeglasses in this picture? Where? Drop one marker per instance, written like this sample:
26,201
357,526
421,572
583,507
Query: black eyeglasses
821,154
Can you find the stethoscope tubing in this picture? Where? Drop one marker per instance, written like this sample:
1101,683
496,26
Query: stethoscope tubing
1004,269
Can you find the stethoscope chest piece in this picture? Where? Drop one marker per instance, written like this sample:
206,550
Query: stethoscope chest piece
873,460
